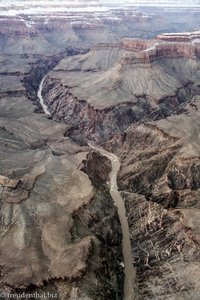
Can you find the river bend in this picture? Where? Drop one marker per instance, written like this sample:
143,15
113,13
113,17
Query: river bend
129,271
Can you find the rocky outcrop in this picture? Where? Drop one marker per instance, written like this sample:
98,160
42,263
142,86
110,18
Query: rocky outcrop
59,232
15,26
177,50
109,88
99,175
84,117
167,46
7,182
41,67
70,23
179,37
136,44
101,218
159,178
165,249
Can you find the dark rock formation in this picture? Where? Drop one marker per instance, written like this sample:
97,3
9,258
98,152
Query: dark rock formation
165,249
100,174
160,179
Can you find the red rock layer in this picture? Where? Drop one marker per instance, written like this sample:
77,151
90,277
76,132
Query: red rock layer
180,45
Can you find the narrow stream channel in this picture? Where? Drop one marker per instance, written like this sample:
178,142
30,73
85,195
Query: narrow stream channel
39,94
129,271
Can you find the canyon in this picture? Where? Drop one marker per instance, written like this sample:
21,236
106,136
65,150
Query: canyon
99,151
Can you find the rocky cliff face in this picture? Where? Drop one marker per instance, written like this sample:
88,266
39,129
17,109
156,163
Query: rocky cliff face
159,178
47,31
112,86
187,46
60,231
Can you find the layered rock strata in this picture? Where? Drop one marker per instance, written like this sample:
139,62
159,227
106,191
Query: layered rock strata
106,90
60,233
59,227
159,178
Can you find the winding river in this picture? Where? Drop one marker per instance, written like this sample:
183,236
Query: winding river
39,94
129,271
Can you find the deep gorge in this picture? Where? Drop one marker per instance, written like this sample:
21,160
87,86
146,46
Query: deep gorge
113,82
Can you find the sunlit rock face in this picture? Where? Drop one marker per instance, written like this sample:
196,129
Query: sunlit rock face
114,85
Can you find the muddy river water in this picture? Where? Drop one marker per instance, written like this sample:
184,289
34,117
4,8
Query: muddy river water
129,271
128,263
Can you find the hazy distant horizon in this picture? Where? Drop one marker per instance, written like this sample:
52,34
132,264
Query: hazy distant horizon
17,7
104,2
154,2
